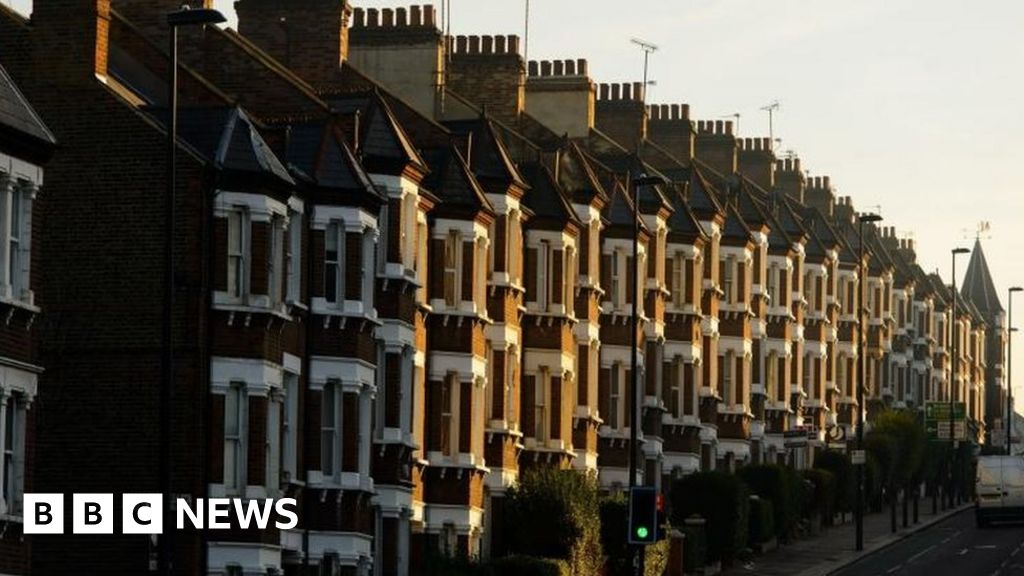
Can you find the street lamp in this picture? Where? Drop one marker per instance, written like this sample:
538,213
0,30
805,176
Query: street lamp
1009,368
863,345
634,388
182,17
954,332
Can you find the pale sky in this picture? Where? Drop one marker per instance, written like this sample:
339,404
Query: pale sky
913,106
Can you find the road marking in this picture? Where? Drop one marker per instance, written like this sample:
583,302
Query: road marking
919,554
986,547
963,552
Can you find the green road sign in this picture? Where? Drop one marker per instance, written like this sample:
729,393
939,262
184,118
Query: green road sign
940,411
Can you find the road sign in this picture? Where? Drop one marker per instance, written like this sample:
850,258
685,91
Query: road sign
940,411
858,457
936,420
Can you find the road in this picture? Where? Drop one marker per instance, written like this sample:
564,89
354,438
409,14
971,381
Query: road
954,547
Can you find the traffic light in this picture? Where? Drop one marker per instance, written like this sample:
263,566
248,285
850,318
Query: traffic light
643,515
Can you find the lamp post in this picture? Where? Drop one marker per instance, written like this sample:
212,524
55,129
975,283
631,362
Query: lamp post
863,345
1009,369
954,333
634,387
183,17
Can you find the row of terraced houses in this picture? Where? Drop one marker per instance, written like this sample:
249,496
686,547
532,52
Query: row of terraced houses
405,274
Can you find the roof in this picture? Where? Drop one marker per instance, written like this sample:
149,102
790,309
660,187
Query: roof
19,118
320,152
978,286
228,138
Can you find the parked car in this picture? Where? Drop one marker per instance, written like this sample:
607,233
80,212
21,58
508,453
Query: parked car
999,489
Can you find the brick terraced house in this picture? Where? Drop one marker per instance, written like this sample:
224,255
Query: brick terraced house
405,273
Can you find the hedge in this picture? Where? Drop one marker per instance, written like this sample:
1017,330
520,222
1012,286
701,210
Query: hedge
614,512
695,548
781,486
846,478
722,500
762,520
822,495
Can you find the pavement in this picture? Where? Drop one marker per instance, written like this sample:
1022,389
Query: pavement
831,552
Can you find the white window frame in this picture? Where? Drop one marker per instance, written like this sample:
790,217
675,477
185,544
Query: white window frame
238,440
616,279
275,260
272,444
12,452
331,444
239,249
512,372
728,366
335,267
544,275
452,263
293,256
615,397
290,425
542,405
772,376
450,417
679,281
729,281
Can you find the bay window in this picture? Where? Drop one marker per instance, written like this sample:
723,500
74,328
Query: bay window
330,430
275,261
272,444
16,199
334,258
452,268
293,256
290,426
615,416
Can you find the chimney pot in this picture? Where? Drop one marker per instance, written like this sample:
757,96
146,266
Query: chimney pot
582,68
545,68
358,18
674,112
487,45
825,182
570,67
474,44
796,164
372,18
388,18
461,44
604,92
559,69
780,165
638,91
513,44
685,111
766,143
531,68
429,16
415,15
653,112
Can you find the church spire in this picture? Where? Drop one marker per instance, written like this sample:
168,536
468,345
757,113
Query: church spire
978,286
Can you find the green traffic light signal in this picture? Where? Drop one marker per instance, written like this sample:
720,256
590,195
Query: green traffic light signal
642,533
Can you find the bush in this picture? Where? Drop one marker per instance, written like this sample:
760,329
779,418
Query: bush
561,513
519,565
762,520
437,564
783,488
822,495
846,479
614,512
722,500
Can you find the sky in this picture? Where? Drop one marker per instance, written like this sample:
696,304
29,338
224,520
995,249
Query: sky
913,107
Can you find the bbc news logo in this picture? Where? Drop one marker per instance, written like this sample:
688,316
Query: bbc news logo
144,513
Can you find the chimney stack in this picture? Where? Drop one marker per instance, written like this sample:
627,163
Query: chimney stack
490,73
311,37
404,53
789,179
72,38
757,161
716,146
621,115
561,95
669,126
820,195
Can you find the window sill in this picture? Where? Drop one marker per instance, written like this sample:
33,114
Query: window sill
235,308
13,518
21,304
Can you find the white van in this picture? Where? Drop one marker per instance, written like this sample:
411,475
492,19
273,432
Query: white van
1000,489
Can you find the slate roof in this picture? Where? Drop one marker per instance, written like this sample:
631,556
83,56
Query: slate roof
227,137
545,198
20,121
978,286
321,153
